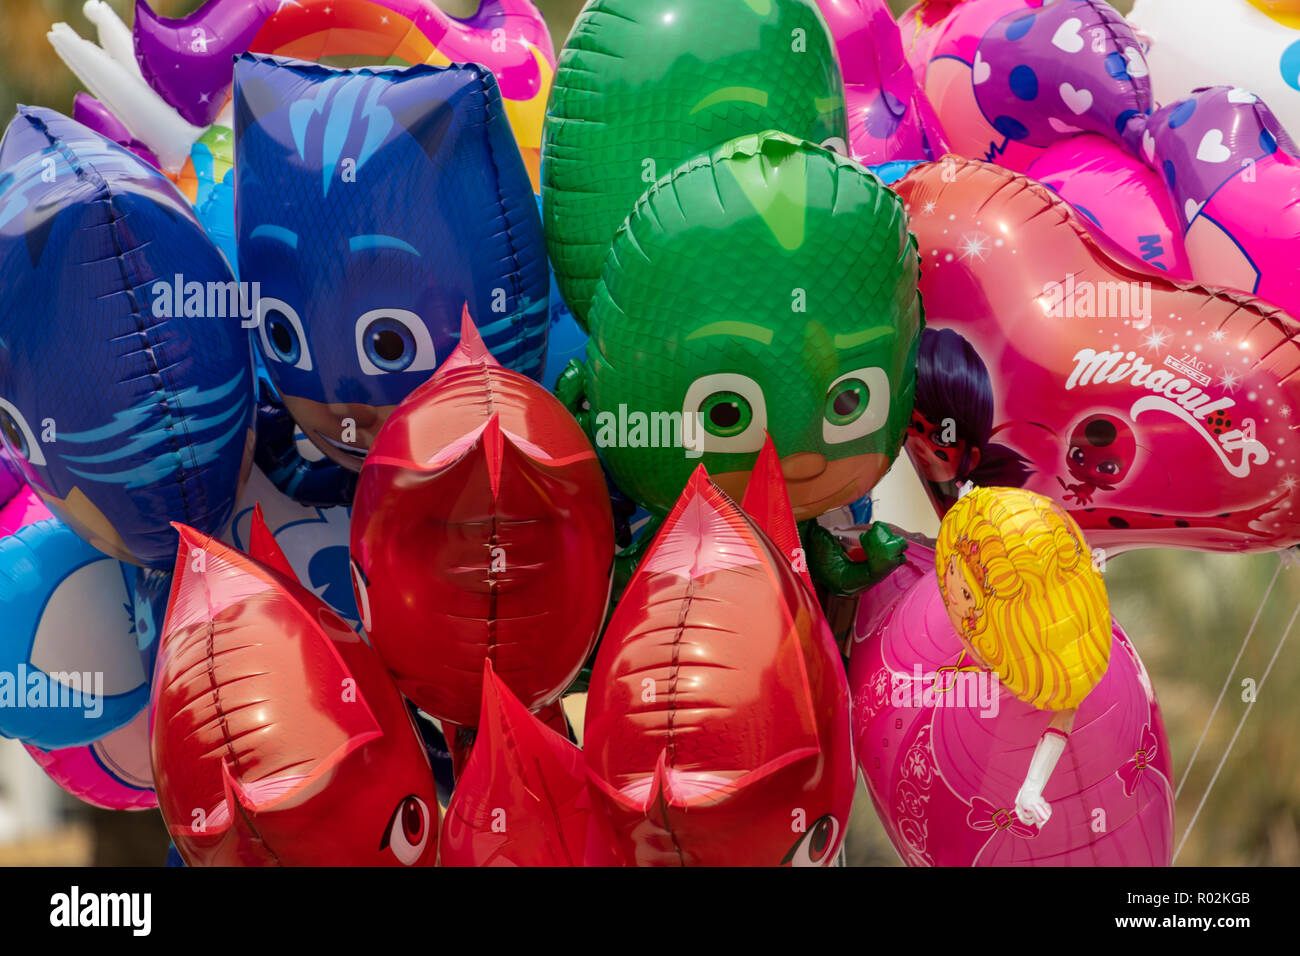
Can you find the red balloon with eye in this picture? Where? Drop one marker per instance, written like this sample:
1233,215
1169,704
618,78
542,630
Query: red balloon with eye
278,738
481,530
717,729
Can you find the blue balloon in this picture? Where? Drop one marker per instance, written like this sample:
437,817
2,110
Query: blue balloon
70,671
566,340
125,374
374,204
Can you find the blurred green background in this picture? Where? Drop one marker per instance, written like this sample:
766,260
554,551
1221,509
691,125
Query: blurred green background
1187,612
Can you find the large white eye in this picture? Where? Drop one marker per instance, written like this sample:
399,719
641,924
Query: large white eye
817,846
408,830
359,584
394,340
857,404
730,412
281,332
18,436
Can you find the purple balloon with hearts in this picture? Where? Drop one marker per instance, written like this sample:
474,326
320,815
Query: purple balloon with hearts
1073,66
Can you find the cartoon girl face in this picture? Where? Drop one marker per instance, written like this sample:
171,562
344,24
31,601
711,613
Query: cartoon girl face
962,601
958,596
937,458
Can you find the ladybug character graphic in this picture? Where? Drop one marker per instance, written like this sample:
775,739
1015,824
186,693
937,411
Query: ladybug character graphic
1101,452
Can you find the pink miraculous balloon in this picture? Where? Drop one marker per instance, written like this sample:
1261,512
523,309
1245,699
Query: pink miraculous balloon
943,768
113,773
1118,194
889,117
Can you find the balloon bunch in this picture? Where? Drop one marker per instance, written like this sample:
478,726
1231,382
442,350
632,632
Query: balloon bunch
295,547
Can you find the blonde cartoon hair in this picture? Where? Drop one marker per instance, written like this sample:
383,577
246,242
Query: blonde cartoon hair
1033,606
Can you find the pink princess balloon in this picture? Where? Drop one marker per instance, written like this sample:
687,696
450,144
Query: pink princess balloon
943,767
889,117
113,772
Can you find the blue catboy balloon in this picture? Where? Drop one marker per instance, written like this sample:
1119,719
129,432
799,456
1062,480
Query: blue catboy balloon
70,666
125,374
372,206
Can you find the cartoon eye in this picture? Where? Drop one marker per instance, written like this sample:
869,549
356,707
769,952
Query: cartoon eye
360,585
857,404
281,331
1076,455
17,435
1108,468
394,340
407,832
815,847
726,414
731,409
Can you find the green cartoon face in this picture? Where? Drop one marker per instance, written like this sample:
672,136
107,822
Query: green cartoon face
644,85
770,287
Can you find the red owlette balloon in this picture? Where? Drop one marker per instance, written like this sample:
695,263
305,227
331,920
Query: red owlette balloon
481,530
278,738
522,800
717,727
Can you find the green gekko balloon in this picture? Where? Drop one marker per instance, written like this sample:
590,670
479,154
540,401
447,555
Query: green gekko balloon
767,287
644,85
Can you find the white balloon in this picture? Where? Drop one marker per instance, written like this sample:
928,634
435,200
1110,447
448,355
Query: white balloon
1197,43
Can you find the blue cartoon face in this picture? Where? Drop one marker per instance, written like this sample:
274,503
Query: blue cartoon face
373,205
120,409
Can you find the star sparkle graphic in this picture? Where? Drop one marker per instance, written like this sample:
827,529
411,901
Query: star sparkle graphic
974,247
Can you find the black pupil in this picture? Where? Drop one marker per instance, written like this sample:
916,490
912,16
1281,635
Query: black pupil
281,337
847,401
819,837
412,820
725,414
13,434
388,345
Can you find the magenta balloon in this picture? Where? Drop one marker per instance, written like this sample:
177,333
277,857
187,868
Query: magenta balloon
23,509
890,118
944,778
1119,195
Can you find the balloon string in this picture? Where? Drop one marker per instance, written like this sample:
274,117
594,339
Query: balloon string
1235,733
1227,680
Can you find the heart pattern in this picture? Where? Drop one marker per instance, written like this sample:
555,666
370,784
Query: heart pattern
1212,149
1238,95
1068,37
1079,101
1149,146
1192,209
1136,63
981,70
